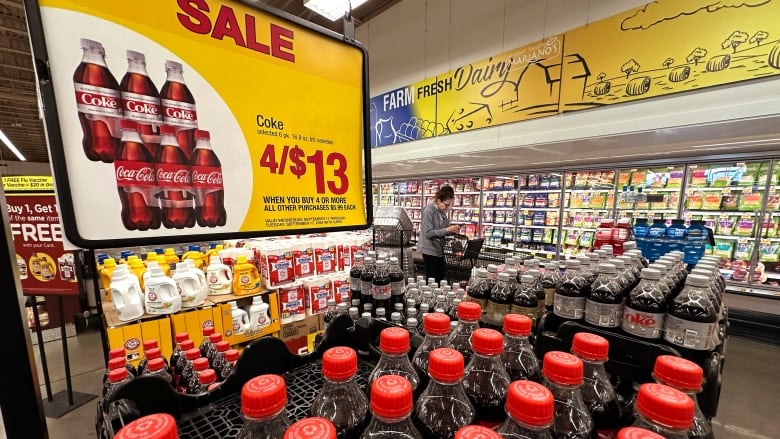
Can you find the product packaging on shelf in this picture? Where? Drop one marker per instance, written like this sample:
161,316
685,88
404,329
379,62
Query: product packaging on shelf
192,322
132,336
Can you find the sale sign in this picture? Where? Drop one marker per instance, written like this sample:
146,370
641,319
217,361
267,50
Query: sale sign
44,266
169,119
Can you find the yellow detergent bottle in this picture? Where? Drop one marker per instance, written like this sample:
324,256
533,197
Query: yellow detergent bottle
246,278
150,256
198,258
213,251
137,268
171,259
106,271
163,261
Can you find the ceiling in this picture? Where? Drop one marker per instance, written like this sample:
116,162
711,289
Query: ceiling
19,115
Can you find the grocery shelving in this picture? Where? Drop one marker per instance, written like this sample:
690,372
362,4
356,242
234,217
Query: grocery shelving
588,197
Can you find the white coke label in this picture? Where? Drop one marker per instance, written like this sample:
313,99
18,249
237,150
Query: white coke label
141,108
643,324
97,101
603,314
180,114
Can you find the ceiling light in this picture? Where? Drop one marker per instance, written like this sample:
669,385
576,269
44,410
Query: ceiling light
332,9
11,146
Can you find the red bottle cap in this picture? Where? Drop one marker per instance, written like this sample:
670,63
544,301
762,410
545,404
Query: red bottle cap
391,397
156,426
208,330
311,428
263,396
200,364
486,341
476,432
116,363
530,403
181,336
155,364
679,373
127,124
562,368
187,345
116,353
152,353
215,337
665,405
436,323
167,129
192,354
231,354
223,346
394,341
469,311
202,134
445,365
590,346
517,324
207,376
150,344
637,433
117,375
339,363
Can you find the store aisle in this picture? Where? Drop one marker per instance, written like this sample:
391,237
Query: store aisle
748,404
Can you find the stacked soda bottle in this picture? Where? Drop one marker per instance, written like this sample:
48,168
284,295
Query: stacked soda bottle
597,391
571,292
518,357
687,377
311,428
394,345
437,331
341,401
486,381
562,373
664,410
443,407
155,426
469,314
391,406
530,409
263,399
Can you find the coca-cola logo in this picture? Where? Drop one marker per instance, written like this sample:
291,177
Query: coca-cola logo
180,113
176,176
213,177
640,319
99,100
142,107
143,174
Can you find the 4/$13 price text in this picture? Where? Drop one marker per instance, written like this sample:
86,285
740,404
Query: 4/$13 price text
295,160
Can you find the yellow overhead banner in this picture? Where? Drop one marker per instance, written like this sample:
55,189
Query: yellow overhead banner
201,118
38,183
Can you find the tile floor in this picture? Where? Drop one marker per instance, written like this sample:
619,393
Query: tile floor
748,404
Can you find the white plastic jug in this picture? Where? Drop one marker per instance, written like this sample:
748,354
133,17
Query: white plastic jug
160,293
147,273
126,294
258,314
204,285
188,285
241,322
219,277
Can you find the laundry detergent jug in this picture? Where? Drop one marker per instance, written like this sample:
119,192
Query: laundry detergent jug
196,256
188,286
126,293
109,265
246,278
160,293
258,314
241,322
219,277
204,285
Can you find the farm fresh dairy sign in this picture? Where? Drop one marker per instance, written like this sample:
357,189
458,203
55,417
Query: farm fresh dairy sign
661,48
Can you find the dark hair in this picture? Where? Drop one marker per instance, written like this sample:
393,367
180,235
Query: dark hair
444,193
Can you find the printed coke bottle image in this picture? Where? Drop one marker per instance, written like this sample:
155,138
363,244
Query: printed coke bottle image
98,103
207,183
136,181
178,107
141,101
174,181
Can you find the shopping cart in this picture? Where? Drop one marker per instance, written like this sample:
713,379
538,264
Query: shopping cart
460,255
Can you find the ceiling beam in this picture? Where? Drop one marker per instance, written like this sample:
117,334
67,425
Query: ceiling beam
13,4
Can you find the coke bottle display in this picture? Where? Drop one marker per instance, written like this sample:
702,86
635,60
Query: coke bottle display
174,180
381,289
550,279
98,103
311,428
354,276
181,361
121,353
341,401
391,407
177,353
476,432
526,301
499,302
538,290
530,408
367,281
597,391
141,100
207,182
394,345
485,380
468,321
136,181
178,106
571,292
519,359
664,410
479,290
637,433
396,281
645,307
692,320
443,407
262,405
667,283
156,426
687,377
437,331
604,305
562,373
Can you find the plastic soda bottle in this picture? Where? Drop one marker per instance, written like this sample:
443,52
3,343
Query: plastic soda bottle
443,408
262,405
664,410
685,376
341,401
529,407
597,392
394,344
562,373
518,357
486,380
311,428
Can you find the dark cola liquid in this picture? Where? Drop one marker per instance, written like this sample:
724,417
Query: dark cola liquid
98,142
381,296
570,435
177,91
210,208
606,413
367,281
440,422
481,293
138,83
177,206
136,214
397,280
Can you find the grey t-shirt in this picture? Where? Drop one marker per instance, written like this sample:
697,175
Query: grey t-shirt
433,229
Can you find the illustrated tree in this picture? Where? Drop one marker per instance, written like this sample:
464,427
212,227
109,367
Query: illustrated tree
697,54
758,37
668,62
601,76
735,39
631,66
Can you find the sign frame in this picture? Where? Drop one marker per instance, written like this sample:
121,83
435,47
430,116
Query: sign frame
58,161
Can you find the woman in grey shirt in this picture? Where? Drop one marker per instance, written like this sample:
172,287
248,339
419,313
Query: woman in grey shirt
434,226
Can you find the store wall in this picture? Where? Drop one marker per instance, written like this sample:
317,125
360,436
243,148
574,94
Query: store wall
9,168
417,39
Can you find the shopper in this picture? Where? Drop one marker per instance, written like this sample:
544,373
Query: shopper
434,227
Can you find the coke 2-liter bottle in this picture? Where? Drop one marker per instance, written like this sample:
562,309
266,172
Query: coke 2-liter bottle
262,405
207,183
136,181
485,379
597,391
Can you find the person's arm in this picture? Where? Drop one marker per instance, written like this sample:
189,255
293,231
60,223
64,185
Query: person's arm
428,224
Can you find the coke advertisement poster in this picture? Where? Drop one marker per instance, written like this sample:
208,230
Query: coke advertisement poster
45,268
170,119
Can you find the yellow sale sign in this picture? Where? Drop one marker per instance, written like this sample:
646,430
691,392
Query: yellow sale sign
207,118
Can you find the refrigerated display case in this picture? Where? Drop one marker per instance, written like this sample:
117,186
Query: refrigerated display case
498,201
465,207
589,196
538,213
650,192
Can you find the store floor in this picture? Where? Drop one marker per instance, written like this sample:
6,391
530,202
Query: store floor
747,410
